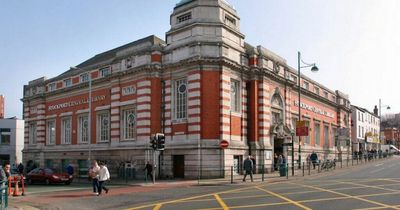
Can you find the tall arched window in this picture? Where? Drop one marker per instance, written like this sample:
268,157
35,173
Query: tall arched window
276,109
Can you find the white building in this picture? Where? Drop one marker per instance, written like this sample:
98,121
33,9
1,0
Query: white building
11,140
365,129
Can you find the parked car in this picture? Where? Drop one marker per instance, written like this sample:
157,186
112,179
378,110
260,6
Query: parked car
48,176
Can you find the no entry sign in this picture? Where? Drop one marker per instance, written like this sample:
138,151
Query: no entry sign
224,144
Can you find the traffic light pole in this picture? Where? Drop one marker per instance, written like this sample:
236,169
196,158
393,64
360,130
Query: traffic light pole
154,166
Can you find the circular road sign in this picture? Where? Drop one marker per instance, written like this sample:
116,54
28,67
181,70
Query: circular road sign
224,144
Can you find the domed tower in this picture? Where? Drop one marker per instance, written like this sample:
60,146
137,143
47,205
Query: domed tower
204,28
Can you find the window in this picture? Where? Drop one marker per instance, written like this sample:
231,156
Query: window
230,20
334,99
103,127
316,90
67,82
334,135
307,138
180,99
326,94
326,136
317,133
359,131
235,96
83,129
306,85
66,130
184,17
104,72
52,87
5,136
129,123
51,132
129,62
84,77
293,78
32,133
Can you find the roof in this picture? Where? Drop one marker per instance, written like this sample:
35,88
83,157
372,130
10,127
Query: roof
108,56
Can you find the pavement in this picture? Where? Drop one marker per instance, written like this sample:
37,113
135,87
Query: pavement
119,186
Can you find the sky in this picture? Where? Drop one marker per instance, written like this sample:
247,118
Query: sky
355,44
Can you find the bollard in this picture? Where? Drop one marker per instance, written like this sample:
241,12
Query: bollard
303,168
287,171
262,175
347,162
352,159
341,161
232,175
319,166
357,161
145,175
22,184
309,168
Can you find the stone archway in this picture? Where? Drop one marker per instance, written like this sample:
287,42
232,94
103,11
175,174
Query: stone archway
280,134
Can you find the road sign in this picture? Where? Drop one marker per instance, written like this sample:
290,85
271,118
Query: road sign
301,128
224,144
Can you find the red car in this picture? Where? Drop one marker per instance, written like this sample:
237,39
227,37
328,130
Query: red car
48,176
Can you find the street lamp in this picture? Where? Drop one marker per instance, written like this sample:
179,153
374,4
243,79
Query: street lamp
89,115
314,68
380,119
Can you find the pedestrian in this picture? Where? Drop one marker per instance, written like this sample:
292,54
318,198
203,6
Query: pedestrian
94,176
104,175
70,169
314,158
7,170
280,161
248,167
20,168
3,176
149,170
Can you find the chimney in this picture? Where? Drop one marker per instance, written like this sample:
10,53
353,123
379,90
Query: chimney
376,110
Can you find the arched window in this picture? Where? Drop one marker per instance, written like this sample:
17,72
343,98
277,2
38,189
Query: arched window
276,109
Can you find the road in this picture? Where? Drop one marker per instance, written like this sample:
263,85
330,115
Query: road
372,186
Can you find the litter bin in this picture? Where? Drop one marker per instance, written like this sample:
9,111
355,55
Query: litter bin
282,169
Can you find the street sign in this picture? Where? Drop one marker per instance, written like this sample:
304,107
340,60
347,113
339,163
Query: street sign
301,128
287,144
224,144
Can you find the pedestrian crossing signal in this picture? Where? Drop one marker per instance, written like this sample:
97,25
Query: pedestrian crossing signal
160,138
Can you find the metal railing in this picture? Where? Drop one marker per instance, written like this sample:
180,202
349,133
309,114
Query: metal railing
4,195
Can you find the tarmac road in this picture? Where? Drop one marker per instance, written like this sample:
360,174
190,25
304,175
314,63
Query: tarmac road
375,185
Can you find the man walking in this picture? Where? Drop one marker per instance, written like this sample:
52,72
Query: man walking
104,175
149,171
248,167
314,158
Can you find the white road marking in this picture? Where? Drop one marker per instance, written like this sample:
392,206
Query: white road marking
374,171
379,164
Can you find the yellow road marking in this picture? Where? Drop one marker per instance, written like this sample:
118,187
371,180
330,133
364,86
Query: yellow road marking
157,207
250,206
221,202
284,198
373,208
195,197
346,195
363,185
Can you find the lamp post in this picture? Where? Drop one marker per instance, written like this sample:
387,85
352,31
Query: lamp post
314,68
89,130
380,120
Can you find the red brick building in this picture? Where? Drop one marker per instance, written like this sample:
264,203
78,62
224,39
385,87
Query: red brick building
392,136
204,84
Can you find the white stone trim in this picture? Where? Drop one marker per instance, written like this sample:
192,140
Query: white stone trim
143,130
142,107
194,77
195,102
82,111
144,91
143,122
115,97
114,125
193,85
99,108
65,114
144,99
143,83
194,128
115,89
114,111
115,118
51,116
143,115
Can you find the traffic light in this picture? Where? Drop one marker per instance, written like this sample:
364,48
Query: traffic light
153,142
160,138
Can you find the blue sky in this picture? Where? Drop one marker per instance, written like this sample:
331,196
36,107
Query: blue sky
356,43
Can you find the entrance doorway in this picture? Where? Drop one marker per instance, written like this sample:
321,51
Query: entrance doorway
178,166
237,160
278,150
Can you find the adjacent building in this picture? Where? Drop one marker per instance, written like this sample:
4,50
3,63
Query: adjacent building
1,106
201,85
11,140
392,136
365,129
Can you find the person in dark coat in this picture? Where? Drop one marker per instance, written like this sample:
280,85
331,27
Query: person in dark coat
20,168
248,167
314,158
70,170
149,170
